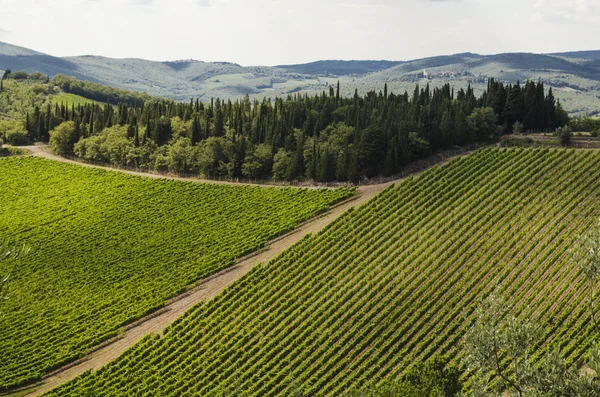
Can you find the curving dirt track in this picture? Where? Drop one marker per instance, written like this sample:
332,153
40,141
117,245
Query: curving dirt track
44,151
207,289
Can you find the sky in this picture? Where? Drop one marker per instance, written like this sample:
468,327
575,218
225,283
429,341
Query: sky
275,32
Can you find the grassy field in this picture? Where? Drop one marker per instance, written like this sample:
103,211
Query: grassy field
69,99
108,248
386,286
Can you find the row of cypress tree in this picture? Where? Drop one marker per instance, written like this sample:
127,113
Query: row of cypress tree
326,136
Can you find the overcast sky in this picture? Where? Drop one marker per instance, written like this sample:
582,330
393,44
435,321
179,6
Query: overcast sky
270,32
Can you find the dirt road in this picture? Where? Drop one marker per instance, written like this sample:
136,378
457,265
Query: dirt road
44,151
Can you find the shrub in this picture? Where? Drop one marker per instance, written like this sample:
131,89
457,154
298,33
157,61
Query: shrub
17,137
518,127
564,135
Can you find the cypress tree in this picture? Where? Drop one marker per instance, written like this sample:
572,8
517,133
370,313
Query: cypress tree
136,136
27,125
196,132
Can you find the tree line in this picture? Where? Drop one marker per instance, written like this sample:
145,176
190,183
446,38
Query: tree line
99,92
324,137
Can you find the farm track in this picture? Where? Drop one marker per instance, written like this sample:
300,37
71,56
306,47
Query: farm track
207,289
44,152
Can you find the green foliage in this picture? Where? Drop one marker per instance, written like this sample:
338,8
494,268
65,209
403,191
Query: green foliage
564,135
16,137
12,151
501,345
108,248
9,254
282,163
482,124
63,137
18,98
18,76
436,378
69,100
13,133
258,162
388,285
111,146
99,92
180,155
326,137
586,254
586,124
517,127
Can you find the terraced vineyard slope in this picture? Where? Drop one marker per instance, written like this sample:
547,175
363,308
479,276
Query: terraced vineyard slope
108,248
385,286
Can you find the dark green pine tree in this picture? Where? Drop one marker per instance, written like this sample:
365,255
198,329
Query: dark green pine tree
28,126
219,119
550,110
76,133
136,136
91,129
145,136
196,131
162,131
514,105
540,107
530,106
122,114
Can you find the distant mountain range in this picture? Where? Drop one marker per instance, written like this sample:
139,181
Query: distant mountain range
575,76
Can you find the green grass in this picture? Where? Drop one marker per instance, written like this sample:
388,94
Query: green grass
69,99
386,286
108,248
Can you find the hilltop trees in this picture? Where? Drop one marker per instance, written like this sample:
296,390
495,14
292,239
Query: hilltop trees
324,137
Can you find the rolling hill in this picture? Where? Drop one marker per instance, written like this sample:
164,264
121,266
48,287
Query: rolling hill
575,76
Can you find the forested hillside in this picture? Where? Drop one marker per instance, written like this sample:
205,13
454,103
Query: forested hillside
390,285
325,137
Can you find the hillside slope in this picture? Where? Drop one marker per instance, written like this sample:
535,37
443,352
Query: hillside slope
386,286
109,248
575,76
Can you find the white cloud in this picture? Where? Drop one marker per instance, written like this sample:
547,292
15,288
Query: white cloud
290,31
577,11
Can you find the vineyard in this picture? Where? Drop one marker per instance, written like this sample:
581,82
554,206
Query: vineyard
108,248
390,284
